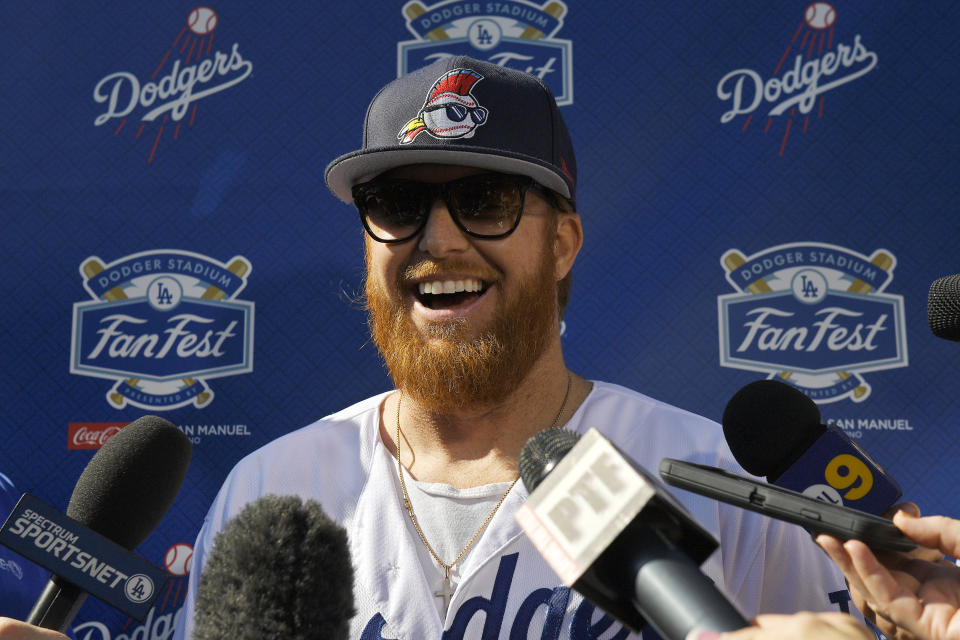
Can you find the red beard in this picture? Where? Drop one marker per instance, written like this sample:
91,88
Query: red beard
447,371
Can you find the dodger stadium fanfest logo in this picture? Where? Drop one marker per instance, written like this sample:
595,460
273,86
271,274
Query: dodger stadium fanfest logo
814,62
190,70
161,323
511,33
813,315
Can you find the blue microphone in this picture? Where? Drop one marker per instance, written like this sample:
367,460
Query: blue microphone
775,430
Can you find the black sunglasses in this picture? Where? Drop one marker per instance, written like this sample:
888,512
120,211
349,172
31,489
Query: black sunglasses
459,112
486,205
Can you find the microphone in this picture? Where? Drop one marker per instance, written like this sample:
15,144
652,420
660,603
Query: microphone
279,569
615,534
122,494
943,307
775,430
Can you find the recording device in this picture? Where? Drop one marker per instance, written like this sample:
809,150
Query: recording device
943,307
776,502
775,430
121,496
279,569
615,534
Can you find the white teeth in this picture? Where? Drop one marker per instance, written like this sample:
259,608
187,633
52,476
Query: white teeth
449,286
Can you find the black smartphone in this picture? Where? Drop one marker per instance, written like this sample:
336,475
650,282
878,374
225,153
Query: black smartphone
816,516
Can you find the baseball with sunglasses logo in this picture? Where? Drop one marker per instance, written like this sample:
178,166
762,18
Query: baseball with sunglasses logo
450,110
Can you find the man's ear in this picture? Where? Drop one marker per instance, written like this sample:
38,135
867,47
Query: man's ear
567,244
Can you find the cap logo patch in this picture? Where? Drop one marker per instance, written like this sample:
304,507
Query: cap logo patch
450,110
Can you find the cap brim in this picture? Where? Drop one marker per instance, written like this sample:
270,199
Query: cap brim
361,166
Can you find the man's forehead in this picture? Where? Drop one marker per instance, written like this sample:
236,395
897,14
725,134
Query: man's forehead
432,172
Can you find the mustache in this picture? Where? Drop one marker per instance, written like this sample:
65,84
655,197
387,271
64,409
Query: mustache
426,268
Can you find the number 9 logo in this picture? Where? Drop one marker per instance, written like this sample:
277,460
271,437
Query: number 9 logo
844,470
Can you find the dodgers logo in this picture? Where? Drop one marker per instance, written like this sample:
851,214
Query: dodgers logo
445,112
511,33
813,315
814,62
160,324
172,91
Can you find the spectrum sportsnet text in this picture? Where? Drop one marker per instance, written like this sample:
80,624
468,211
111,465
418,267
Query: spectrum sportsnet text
59,542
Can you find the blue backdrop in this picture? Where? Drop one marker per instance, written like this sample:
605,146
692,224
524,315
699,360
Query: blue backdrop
766,189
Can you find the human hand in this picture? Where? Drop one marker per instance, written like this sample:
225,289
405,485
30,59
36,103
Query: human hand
16,630
907,595
802,626
886,626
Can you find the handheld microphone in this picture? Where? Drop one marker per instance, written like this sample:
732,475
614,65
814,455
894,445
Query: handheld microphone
615,534
279,569
122,494
775,430
943,307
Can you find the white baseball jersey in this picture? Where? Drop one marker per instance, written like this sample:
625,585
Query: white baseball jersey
506,590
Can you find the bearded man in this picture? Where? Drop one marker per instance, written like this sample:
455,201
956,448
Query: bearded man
465,187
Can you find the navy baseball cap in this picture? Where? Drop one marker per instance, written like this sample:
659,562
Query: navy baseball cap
465,112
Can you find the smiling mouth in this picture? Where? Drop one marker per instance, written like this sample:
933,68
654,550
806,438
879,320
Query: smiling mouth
447,294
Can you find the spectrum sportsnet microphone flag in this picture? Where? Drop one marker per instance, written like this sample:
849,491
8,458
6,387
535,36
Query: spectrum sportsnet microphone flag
83,557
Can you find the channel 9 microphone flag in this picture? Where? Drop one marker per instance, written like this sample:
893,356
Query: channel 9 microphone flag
121,496
775,430
615,534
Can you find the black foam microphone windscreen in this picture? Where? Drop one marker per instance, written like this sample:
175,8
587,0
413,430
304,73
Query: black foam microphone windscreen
943,307
768,425
279,569
122,494
130,483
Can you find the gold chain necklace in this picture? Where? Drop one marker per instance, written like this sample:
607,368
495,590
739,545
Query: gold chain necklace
446,591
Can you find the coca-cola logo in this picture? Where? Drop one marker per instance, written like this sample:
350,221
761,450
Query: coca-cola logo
91,435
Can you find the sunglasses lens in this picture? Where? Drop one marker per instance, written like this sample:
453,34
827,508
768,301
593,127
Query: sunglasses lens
456,112
478,115
392,211
488,205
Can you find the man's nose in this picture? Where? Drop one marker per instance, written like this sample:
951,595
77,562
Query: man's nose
441,235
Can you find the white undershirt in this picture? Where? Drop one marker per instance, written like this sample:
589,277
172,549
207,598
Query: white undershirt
449,518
